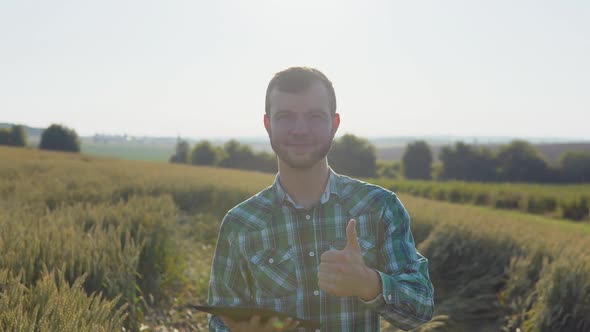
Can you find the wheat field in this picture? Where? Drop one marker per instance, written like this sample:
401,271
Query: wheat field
99,244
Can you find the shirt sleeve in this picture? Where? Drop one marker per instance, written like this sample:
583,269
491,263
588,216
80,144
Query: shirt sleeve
407,298
227,285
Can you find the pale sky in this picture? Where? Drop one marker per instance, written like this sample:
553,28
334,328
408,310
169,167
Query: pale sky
200,68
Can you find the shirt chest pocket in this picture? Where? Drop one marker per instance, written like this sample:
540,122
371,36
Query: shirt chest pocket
273,271
368,249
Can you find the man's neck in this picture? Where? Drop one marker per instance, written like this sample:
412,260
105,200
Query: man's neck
304,186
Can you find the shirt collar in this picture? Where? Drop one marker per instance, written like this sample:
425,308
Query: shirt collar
332,187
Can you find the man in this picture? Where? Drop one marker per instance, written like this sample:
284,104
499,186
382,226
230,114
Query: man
316,244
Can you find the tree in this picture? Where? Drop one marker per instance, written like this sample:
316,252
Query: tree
575,166
417,161
5,136
182,152
205,153
467,162
353,156
237,155
243,157
60,138
14,136
521,162
18,136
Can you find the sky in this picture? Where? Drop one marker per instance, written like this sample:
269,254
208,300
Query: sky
200,69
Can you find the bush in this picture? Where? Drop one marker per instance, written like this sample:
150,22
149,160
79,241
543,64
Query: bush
483,198
59,138
540,204
506,200
576,209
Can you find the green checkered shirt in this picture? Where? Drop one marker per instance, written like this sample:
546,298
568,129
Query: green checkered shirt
268,253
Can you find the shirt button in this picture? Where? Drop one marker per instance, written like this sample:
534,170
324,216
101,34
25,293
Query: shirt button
311,253
316,292
270,260
307,216
389,297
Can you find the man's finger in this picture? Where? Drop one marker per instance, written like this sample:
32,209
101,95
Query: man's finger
326,287
328,277
331,256
330,268
352,242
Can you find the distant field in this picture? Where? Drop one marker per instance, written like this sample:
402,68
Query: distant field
142,234
129,151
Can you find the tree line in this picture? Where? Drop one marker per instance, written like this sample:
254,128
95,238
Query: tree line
56,137
349,155
518,161
232,154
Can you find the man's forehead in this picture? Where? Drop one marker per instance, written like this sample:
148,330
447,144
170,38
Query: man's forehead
315,96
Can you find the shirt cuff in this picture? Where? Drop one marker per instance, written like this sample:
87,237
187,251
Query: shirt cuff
373,300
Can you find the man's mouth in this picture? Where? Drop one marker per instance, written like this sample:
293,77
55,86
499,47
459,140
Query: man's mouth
298,144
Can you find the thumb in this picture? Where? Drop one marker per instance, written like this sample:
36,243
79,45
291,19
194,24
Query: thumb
352,242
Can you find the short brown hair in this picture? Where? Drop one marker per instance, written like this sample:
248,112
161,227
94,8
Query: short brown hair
296,80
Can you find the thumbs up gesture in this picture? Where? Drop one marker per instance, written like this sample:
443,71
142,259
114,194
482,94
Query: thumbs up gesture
344,273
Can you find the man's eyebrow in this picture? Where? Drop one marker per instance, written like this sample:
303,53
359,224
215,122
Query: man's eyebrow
316,110
282,111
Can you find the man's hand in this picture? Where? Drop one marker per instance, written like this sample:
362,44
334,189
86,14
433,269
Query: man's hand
254,325
344,273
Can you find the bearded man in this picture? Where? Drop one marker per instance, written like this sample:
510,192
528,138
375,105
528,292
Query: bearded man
316,244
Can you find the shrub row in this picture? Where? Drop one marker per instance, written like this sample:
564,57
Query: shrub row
575,206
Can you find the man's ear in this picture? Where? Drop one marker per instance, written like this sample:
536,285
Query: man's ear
267,123
335,123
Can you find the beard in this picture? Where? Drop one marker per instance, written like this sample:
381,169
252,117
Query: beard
302,162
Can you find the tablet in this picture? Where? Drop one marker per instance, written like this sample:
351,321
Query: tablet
244,314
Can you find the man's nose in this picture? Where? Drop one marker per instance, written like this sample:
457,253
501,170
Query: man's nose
299,126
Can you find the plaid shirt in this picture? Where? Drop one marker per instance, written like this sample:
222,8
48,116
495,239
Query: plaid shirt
268,253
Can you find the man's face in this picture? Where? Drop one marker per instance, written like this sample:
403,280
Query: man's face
300,127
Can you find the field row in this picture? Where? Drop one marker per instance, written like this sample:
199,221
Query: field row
561,201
